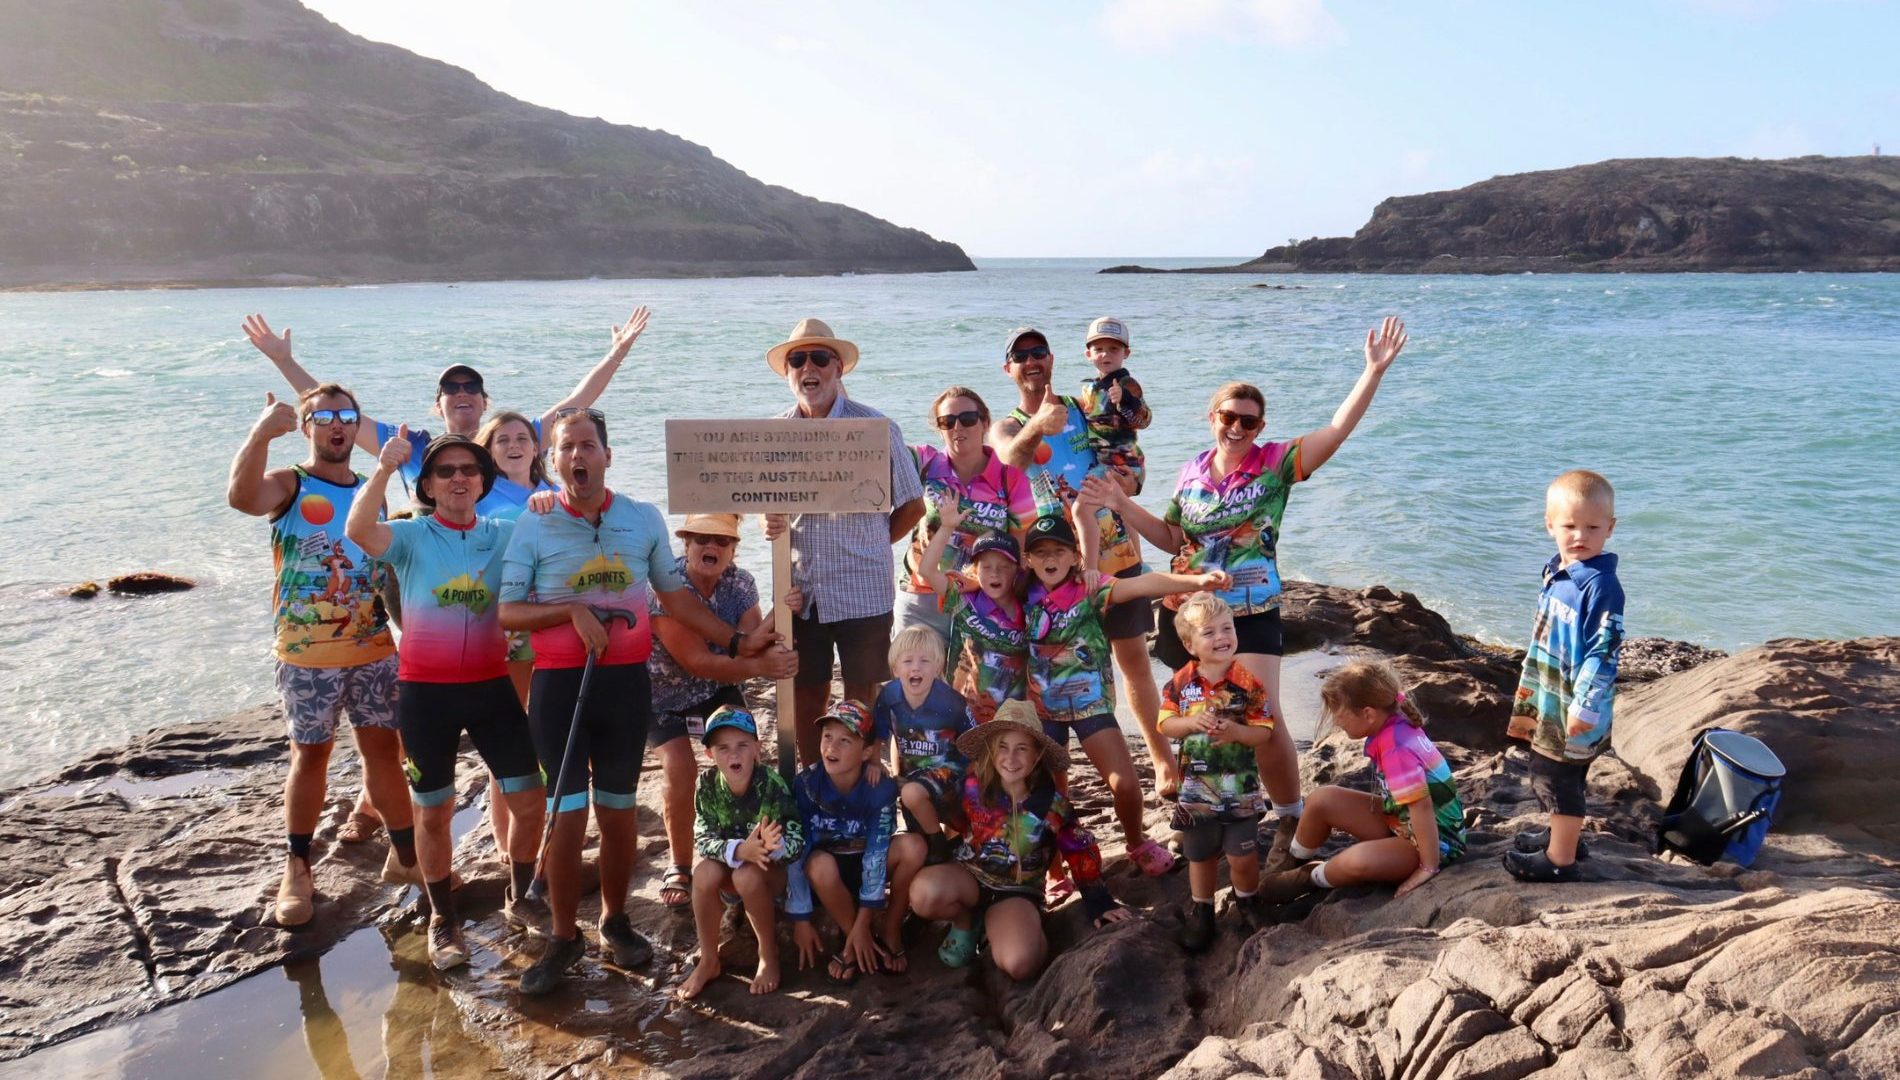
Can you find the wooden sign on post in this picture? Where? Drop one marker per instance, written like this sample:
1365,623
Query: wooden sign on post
748,466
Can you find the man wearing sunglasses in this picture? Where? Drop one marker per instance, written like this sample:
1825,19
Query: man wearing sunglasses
1047,436
333,648
460,396
841,563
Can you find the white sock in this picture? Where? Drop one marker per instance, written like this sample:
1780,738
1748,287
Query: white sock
1293,809
1238,895
1209,901
1301,851
1319,877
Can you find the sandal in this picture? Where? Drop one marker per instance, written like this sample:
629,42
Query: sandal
1153,859
842,971
678,882
895,962
958,948
358,828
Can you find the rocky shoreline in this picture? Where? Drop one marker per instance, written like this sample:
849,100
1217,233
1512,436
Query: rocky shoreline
140,878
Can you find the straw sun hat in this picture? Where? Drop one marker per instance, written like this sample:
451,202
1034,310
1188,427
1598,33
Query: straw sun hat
1014,715
809,332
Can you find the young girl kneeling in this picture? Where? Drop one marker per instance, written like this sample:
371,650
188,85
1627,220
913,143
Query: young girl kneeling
1408,830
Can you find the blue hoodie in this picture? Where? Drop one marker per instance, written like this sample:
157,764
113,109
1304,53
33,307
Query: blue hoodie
1570,667
859,821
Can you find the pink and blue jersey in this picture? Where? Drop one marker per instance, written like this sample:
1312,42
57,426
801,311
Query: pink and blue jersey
997,500
1412,774
451,584
561,557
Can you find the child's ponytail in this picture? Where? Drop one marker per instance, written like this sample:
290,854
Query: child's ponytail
1368,684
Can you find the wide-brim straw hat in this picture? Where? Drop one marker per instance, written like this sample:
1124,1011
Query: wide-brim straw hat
709,525
809,332
1014,715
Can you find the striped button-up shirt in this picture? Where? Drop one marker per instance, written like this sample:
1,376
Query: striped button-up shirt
842,562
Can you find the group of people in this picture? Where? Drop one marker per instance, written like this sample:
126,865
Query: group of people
548,618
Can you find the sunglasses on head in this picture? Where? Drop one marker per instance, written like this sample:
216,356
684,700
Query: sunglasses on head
449,472
966,418
1244,421
711,541
461,386
817,357
595,415
326,417
1034,352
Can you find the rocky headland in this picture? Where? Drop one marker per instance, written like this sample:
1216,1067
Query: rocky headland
139,878
1628,215
151,142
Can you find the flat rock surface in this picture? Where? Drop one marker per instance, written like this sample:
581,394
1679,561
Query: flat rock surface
141,877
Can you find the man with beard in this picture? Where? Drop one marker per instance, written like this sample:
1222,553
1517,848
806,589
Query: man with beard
334,650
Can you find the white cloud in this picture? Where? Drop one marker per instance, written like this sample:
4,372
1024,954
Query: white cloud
1158,24
788,44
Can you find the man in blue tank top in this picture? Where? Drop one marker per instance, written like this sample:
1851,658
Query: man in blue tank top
333,646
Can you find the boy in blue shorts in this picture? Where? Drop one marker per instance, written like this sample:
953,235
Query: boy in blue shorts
1569,682
924,715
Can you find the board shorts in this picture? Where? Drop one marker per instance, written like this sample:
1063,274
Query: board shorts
988,897
315,698
611,744
1214,835
690,722
1130,618
433,717
863,648
850,870
1260,632
1060,730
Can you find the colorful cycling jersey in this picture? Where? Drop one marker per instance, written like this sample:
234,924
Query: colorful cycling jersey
507,499
1233,523
1218,778
1113,423
722,820
327,613
988,649
1061,462
1008,846
855,822
1070,677
560,556
450,577
927,735
996,500
1410,770
419,439
674,688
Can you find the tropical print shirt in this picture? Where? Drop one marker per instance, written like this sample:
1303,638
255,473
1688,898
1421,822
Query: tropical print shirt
988,651
1233,523
1070,663
675,688
995,500
1221,778
1062,461
1008,846
326,613
1410,771
855,822
1112,425
722,820
1570,667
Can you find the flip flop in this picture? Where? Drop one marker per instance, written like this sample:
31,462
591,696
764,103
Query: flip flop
842,971
895,962
358,828
679,882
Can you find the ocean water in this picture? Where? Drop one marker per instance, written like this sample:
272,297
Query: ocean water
1751,424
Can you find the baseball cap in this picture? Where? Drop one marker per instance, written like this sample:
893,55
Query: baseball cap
728,717
1051,527
1002,542
1018,334
454,368
1107,327
852,715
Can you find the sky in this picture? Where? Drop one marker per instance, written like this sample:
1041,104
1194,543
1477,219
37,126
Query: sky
1176,127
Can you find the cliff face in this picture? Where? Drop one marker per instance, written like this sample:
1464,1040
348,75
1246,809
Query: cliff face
209,141
1810,213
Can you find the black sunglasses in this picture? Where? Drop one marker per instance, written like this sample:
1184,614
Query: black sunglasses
1034,352
461,386
966,418
1244,421
711,541
326,417
818,357
449,472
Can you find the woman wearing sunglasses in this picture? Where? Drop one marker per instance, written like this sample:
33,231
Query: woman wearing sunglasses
995,498
1225,515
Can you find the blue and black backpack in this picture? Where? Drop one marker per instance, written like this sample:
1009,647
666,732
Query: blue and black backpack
1725,799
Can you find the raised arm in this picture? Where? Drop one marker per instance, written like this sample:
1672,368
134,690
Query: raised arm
595,382
1382,347
364,525
930,568
1016,443
277,349
1113,495
1158,584
251,490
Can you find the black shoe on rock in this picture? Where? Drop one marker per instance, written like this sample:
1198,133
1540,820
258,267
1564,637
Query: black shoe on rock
1531,841
624,943
1197,926
1536,866
548,972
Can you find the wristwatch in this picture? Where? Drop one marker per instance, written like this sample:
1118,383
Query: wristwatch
732,647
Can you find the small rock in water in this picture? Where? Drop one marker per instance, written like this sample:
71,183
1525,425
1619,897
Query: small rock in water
85,591
144,583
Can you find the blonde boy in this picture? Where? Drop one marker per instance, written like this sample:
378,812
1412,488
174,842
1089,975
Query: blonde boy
1565,695
923,715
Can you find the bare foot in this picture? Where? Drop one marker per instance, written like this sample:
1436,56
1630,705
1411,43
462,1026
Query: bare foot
703,974
766,980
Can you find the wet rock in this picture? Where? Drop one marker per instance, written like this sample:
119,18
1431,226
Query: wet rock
84,591
147,583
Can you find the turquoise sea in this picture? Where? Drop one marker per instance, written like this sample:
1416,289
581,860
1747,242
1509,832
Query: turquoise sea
1751,424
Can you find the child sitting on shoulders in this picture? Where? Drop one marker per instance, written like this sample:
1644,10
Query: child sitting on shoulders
923,716
985,608
849,817
1112,401
1218,715
1563,700
745,830
1408,830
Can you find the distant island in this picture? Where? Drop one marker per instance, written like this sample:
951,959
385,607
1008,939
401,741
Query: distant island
225,142
1630,215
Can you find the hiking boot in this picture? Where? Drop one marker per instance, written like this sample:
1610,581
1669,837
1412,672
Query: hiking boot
447,949
623,942
1532,841
1255,913
1286,886
1536,866
295,894
546,974
1280,854
527,914
1197,926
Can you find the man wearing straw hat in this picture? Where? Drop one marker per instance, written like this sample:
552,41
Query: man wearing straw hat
841,563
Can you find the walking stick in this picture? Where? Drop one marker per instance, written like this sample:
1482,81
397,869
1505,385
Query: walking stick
539,887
